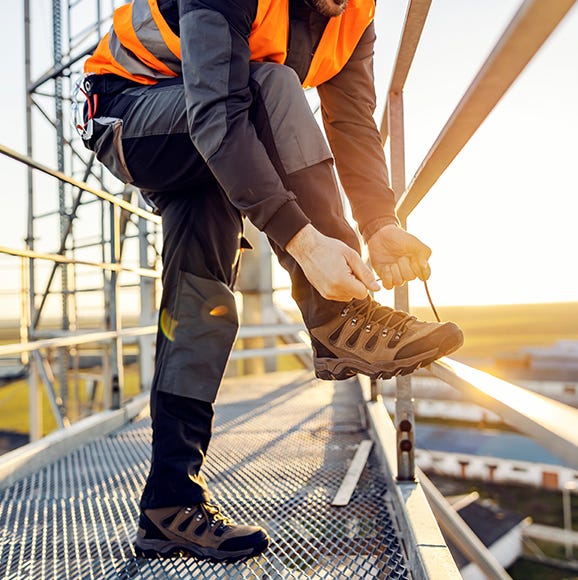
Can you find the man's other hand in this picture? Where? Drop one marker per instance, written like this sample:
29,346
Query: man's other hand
335,270
398,257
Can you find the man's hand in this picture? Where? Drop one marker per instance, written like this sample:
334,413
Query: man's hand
398,257
335,270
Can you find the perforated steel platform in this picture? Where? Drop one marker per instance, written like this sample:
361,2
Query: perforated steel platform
281,448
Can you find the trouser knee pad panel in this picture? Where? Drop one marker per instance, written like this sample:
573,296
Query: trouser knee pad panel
298,139
200,333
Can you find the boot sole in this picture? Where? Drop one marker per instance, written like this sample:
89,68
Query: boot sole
155,549
339,369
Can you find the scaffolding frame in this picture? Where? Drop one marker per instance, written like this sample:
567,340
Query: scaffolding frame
116,214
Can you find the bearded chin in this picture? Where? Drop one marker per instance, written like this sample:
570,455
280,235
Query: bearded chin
328,7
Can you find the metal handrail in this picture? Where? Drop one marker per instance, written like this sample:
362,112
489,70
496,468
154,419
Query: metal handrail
526,33
80,184
113,333
546,421
549,422
116,267
77,338
529,29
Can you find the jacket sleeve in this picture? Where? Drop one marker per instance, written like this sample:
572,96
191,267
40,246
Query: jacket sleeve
215,58
347,105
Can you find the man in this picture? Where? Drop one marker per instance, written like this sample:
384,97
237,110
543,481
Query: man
199,103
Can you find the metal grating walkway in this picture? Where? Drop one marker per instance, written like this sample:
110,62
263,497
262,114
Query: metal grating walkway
281,447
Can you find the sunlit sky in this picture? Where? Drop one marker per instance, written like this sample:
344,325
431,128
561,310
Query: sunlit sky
502,220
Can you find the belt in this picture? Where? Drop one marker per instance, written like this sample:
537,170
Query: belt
108,84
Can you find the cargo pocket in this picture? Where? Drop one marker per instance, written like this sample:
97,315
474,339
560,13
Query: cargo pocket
108,148
204,330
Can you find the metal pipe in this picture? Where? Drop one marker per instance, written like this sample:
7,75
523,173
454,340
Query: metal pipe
112,313
107,335
34,403
550,423
283,349
29,152
27,160
414,23
415,19
404,402
57,70
24,309
147,310
64,260
528,30
76,339
460,533
56,403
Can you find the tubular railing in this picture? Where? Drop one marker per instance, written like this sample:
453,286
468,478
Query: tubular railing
113,334
529,29
548,422
35,349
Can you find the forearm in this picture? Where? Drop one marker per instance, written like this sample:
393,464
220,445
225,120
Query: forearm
348,104
216,57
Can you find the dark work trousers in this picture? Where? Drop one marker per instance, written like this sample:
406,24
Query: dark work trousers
142,137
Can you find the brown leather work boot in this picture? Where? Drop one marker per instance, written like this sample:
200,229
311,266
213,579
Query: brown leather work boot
200,531
375,340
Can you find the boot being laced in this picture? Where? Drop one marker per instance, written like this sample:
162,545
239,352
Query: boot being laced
380,342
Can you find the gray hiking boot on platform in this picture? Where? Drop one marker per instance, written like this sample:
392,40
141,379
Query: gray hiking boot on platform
375,340
200,531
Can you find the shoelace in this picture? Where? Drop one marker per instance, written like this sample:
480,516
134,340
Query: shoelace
215,516
373,313
431,301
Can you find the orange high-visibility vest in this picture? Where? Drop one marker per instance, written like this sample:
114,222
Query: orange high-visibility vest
141,46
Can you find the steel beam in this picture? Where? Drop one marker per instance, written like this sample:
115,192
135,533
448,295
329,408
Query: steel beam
526,33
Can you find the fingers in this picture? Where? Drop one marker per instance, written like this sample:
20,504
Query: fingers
420,261
406,270
398,256
396,273
340,273
386,276
421,267
361,271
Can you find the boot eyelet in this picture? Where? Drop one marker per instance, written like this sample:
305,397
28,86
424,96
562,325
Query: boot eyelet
384,332
353,321
368,328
